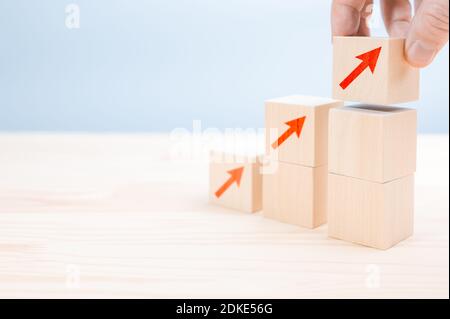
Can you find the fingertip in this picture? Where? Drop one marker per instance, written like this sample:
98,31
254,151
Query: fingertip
420,55
344,20
428,33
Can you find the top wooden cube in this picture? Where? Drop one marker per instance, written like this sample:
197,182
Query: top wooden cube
297,129
373,70
373,143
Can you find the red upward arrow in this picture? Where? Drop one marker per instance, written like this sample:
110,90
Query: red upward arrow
295,126
369,60
236,176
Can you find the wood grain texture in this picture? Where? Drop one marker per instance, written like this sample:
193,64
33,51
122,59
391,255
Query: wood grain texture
296,195
245,197
311,149
89,216
393,81
371,214
373,143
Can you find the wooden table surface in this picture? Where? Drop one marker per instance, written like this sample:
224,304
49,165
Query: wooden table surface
87,216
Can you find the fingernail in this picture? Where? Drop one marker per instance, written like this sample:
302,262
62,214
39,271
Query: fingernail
419,54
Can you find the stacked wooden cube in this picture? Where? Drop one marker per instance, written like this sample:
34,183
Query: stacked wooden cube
351,165
296,137
372,148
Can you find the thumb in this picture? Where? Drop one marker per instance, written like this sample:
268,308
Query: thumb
428,32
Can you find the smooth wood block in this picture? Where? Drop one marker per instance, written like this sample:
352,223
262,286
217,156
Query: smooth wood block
235,182
393,80
374,143
296,195
371,214
309,147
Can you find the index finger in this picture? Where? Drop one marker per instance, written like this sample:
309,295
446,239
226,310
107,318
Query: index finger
346,17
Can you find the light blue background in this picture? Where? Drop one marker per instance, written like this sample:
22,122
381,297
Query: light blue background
155,65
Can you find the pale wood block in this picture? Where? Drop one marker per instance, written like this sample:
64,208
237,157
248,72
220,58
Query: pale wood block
296,195
392,80
374,143
303,120
235,182
371,214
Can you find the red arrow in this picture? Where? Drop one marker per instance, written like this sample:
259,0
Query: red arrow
369,60
295,126
236,176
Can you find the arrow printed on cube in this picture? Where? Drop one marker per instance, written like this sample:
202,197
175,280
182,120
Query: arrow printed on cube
295,127
236,176
369,60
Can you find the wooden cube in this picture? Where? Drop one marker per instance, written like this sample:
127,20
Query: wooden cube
374,143
235,182
373,70
296,195
371,214
296,129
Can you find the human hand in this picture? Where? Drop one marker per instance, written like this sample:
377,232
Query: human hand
426,33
